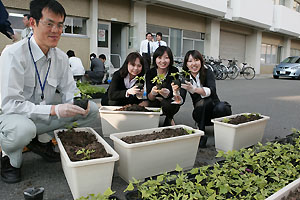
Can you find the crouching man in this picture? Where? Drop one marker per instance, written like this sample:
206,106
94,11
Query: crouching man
31,71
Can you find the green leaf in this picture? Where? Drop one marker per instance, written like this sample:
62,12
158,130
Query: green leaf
130,187
108,192
178,168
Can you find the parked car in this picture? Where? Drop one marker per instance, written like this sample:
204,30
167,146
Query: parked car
289,67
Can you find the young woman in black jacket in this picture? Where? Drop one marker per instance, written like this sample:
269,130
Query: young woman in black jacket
202,89
122,89
164,97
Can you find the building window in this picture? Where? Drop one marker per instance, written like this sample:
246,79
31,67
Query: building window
270,54
295,52
75,25
103,35
175,41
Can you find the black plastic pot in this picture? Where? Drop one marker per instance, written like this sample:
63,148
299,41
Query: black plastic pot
83,103
177,82
140,85
183,79
34,193
97,95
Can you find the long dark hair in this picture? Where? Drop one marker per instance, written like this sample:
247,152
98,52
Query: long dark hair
159,52
131,59
196,55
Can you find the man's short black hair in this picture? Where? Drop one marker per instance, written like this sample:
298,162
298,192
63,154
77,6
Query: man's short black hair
148,33
71,53
92,55
159,33
102,56
37,6
27,15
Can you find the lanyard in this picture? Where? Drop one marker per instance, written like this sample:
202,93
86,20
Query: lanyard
37,72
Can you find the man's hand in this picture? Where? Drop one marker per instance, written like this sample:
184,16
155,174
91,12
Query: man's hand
69,110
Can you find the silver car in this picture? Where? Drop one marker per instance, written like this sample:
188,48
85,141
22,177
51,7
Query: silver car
289,67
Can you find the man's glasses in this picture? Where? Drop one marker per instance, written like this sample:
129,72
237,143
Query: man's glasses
51,25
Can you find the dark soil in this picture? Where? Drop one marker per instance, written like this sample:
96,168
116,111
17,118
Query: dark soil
83,103
155,135
76,140
243,119
293,195
133,107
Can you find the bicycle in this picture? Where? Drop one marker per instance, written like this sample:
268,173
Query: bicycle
232,69
248,72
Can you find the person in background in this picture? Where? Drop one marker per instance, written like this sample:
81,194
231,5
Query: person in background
202,90
146,49
163,65
122,89
159,42
5,24
31,72
102,57
76,65
26,32
96,74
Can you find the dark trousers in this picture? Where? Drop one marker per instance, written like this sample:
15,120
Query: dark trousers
169,110
147,61
206,109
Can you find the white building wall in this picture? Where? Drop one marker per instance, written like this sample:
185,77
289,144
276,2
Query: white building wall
253,47
92,26
139,13
286,48
253,12
285,21
211,7
212,38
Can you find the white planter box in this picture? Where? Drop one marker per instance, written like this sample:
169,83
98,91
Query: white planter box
284,192
234,137
145,159
88,176
120,121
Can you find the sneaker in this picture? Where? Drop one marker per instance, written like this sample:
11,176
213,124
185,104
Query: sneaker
9,174
46,150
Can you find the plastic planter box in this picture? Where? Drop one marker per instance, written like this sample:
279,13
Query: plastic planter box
284,192
234,137
145,159
88,176
120,121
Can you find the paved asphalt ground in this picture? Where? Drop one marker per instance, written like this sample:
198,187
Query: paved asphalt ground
279,99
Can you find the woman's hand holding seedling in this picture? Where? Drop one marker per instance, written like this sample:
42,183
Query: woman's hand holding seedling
154,91
132,91
189,87
177,98
69,110
164,92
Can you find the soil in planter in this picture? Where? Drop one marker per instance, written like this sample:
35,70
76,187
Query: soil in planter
293,195
76,140
155,135
133,107
243,119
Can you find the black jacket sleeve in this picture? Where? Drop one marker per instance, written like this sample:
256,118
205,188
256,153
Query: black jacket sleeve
4,23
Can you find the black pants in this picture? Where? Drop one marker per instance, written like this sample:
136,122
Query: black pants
147,61
169,110
206,109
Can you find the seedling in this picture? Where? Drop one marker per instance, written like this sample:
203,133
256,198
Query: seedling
72,126
226,120
246,115
184,76
175,80
105,196
189,131
140,81
159,80
86,153
81,101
